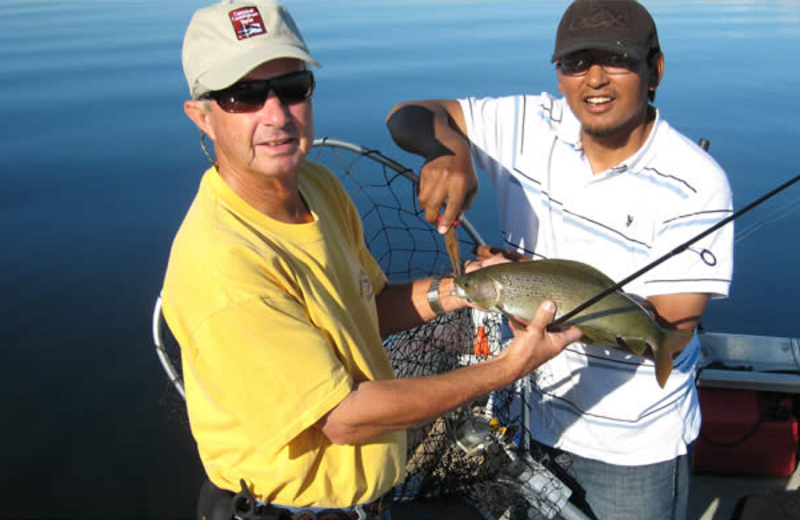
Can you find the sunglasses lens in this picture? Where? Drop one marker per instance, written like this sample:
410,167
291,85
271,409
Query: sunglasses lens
244,97
612,64
616,64
294,88
574,66
249,96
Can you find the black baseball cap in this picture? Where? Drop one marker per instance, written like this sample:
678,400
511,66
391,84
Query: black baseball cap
621,26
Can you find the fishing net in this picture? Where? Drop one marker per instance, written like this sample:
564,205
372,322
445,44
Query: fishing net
483,451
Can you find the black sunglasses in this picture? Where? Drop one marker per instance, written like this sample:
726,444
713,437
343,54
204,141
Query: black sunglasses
249,96
612,64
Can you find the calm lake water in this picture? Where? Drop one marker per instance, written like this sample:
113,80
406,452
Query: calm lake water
100,164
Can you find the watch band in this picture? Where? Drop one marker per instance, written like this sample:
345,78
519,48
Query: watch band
433,296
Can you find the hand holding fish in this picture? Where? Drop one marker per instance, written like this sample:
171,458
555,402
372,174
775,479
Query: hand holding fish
480,263
534,345
485,252
490,255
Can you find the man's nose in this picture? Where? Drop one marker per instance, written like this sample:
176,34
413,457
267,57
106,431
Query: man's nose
596,75
274,111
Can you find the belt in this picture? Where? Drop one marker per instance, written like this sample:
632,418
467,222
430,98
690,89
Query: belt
245,507
372,510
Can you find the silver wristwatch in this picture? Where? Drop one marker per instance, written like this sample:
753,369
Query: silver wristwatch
433,295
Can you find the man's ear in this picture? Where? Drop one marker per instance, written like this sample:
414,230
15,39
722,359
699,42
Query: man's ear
657,73
200,115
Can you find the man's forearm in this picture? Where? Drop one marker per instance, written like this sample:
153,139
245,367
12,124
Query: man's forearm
374,408
405,306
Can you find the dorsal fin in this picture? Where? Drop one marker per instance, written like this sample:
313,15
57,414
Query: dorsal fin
581,269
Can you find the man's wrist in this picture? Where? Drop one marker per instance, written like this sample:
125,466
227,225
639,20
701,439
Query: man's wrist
434,300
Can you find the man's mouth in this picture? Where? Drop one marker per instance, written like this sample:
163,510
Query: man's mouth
598,100
279,142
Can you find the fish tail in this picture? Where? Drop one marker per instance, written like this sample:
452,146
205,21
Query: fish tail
674,341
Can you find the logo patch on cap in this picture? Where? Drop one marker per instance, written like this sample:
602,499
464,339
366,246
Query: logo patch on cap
600,16
247,22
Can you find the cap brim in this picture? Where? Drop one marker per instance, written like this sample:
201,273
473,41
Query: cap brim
234,70
637,53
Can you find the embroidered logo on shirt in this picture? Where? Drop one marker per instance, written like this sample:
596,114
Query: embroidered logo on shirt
629,221
247,22
365,288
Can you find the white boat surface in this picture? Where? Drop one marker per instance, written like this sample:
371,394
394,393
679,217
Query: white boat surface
761,364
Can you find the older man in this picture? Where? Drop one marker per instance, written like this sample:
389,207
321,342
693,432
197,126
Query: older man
596,175
279,307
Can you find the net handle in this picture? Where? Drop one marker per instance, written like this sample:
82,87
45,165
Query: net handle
158,339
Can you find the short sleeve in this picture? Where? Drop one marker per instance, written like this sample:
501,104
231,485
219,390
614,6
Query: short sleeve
707,265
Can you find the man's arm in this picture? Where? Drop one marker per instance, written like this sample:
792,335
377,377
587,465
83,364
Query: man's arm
436,130
374,408
679,311
405,306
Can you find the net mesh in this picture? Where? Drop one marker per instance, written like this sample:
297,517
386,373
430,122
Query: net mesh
481,452
475,451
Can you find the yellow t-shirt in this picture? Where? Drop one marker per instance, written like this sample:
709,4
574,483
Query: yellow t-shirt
276,322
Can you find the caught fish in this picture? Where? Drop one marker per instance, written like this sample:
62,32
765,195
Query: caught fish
618,321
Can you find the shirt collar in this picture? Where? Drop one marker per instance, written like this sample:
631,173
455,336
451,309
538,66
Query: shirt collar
639,161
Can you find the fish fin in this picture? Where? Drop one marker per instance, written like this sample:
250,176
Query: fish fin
663,367
674,341
636,345
511,318
580,270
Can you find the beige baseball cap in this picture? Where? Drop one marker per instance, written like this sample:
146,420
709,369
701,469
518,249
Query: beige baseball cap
226,41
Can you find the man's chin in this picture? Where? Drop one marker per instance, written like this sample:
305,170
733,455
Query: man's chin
601,131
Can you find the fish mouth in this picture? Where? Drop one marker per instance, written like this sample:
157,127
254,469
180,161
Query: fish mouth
458,291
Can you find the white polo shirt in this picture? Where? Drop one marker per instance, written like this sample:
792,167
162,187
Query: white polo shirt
598,402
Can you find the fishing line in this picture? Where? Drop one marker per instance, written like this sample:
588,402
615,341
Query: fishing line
681,248
787,208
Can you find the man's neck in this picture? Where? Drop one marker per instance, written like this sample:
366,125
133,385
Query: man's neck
276,197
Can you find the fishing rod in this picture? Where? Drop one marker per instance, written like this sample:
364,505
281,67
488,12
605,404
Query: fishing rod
681,248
